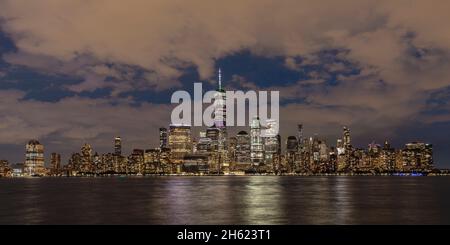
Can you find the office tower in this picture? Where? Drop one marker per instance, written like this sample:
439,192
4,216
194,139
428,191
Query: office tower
220,117
5,170
204,144
243,148
162,138
34,158
180,142
164,161
418,156
323,151
300,135
96,161
374,157
75,162
340,147
220,109
346,138
332,164
86,158
151,160
256,142
136,162
291,150
212,133
55,163
270,141
118,146
291,144
387,157
232,143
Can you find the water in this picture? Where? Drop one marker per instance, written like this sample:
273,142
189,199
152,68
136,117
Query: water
226,200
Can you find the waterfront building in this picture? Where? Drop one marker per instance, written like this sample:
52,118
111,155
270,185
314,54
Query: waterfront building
387,157
180,142
418,156
136,162
151,160
5,170
34,158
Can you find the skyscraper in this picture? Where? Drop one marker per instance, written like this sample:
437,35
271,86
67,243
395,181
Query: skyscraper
270,141
118,146
300,134
242,148
220,109
180,142
55,163
203,144
162,138
418,156
86,158
291,150
347,142
220,118
256,142
34,158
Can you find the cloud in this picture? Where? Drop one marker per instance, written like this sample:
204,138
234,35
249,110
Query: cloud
76,120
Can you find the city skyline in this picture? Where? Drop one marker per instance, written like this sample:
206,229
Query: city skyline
179,152
260,149
383,72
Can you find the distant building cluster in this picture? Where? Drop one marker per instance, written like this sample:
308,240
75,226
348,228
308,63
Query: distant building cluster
213,152
243,153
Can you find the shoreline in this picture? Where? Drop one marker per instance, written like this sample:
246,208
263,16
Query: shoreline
236,175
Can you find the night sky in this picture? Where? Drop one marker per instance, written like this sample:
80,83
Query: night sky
85,71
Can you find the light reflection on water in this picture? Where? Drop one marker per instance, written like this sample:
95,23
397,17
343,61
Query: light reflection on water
226,200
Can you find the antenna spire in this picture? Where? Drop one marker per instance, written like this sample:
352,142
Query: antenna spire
220,79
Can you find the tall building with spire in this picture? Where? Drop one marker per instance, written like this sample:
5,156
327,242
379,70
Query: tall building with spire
220,118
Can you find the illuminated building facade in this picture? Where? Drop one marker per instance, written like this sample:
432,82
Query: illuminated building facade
418,156
271,144
162,137
220,122
291,152
242,148
5,170
180,142
34,158
118,146
86,158
256,142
